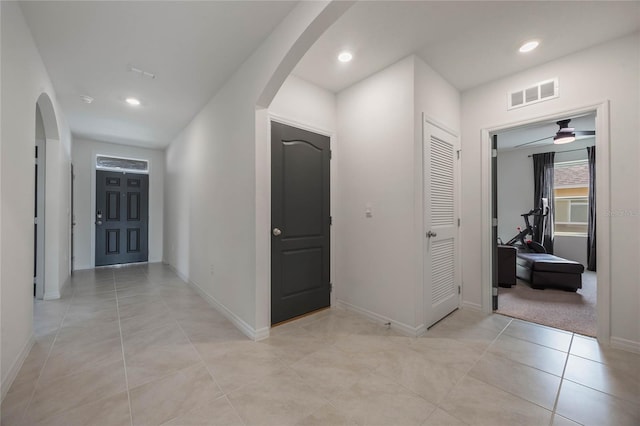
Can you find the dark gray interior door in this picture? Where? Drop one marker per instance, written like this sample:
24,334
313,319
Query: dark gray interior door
122,215
300,219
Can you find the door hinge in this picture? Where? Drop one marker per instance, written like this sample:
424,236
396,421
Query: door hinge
494,221
330,154
330,287
35,220
458,153
494,153
458,222
459,290
330,220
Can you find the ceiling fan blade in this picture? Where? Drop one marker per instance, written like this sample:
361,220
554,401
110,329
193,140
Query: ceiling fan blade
585,132
529,143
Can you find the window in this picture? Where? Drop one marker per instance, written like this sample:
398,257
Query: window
122,164
571,190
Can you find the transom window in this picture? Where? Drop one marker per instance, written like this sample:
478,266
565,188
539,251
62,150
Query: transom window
122,164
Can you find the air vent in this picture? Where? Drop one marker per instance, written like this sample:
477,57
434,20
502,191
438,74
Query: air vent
538,92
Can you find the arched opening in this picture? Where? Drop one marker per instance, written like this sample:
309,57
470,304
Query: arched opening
46,129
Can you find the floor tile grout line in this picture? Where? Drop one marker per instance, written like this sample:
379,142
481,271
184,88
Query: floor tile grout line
566,362
44,364
202,361
124,359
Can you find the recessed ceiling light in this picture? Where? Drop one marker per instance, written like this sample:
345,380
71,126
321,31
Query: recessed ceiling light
133,101
345,57
529,46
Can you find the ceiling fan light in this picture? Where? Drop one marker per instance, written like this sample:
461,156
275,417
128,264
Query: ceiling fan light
563,137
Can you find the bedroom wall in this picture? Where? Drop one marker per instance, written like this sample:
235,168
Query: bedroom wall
607,72
84,154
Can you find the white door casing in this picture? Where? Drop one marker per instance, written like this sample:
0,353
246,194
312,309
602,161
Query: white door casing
441,150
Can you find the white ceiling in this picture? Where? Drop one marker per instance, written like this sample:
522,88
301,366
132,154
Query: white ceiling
541,134
468,43
193,48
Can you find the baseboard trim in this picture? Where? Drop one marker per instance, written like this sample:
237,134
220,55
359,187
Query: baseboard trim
403,328
245,328
17,365
471,306
625,345
53,295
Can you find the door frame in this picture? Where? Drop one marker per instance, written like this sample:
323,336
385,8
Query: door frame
92,211
426,119
267,217
603,221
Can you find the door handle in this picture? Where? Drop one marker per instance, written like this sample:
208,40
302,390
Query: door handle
431,234
98,222
276,232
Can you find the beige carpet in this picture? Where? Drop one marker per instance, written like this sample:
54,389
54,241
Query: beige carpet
574,312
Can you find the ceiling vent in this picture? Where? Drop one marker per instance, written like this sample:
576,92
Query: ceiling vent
538,92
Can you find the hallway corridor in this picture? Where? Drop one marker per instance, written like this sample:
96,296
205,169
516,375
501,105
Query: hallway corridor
137,346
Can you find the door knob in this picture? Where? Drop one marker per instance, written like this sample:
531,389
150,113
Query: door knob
431,234
276,232
99,222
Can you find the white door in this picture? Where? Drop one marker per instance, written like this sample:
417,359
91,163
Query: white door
441,213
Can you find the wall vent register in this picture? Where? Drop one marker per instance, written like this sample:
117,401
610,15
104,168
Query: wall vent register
542,91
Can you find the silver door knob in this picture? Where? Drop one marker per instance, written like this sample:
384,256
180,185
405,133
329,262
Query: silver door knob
431,234
277,232
99,222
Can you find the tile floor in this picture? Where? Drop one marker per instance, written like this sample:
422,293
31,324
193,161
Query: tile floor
137,346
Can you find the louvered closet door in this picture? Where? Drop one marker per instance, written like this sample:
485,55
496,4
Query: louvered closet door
441,201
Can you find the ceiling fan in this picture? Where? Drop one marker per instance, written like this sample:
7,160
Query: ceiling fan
565,134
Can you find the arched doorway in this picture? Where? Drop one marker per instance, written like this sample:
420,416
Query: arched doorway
46,130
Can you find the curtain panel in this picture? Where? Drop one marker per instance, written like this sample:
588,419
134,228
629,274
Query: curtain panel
543,188
591,226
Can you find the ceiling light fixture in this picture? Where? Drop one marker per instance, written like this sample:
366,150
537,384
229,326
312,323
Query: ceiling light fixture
529,46
345,57
86,99
133,101
565,134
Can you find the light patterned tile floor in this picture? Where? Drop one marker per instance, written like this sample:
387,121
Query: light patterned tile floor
137,346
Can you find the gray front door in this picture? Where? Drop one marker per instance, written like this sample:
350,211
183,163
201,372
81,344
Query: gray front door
300,265
122,215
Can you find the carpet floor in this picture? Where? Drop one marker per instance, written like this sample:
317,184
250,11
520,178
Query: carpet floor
561,309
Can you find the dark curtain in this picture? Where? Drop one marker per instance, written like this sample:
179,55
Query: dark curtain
543,188
591,231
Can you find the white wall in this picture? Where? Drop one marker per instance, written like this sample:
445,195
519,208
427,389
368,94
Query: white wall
605,72
216,192
379,265
24,79
84,154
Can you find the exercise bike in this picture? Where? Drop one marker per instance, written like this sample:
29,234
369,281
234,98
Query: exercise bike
520,241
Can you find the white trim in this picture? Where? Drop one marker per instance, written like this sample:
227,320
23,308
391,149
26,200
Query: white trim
427,118
245,328
603,224
381,319
53,295
471,306
17,365
625,344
